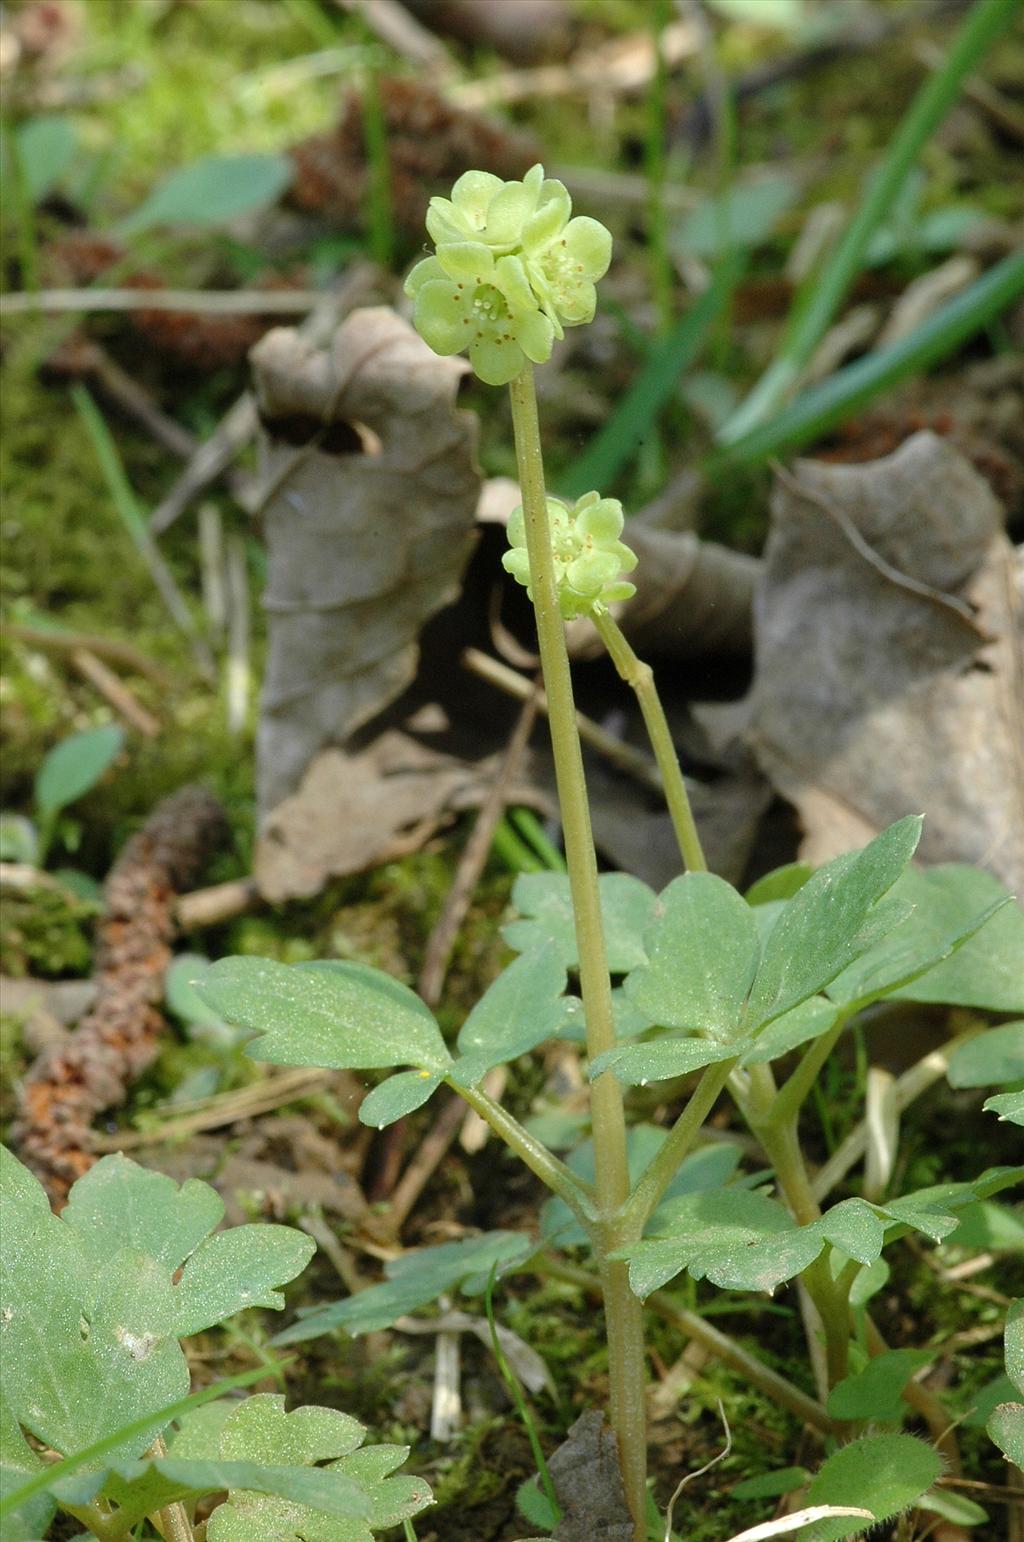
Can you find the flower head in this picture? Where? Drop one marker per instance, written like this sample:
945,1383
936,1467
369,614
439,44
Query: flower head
511,269
464,299
589,558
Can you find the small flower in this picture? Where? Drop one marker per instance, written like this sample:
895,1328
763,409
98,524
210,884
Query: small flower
564,258
588,555
464,299
484,208
520,270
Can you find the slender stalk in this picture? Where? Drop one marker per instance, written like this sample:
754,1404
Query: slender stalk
640,678
172,1521
665,1164
561,1180
790,1097
97,1520
623,1314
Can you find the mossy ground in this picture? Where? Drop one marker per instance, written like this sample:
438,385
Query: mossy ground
211,79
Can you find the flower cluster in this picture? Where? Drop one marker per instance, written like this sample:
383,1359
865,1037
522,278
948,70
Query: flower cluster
588,555
510,271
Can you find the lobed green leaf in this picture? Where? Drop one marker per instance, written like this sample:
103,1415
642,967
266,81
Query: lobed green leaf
545,905
91,1308
413,1281
342,1016
702,955
831,921
994,1058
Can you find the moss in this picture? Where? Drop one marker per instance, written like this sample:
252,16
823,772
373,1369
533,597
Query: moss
46,932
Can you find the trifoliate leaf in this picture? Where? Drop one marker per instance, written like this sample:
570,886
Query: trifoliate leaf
91,1308
830,922
883,1473
1007,1105
545,905
311,1499
702,952
994,1058
634,1065
986,972
414,1280
339,1015
876,1392
929,935
401,1094
18,1463
1006,1430
525,1005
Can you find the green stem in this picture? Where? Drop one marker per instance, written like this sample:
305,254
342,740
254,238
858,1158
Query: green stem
790,1098
715,1341
97,1520
561,1180
172,1520
782,1145
640,678
665,1164
623,1314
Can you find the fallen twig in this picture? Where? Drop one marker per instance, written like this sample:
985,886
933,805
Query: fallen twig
221,902
619,753
113,690
111,648
199,302
473,859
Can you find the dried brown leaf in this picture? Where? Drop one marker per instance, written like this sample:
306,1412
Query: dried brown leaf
874,698
369,521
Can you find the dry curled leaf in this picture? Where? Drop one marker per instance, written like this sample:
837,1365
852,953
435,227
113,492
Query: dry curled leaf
369,519
357,809
588,1483
888,647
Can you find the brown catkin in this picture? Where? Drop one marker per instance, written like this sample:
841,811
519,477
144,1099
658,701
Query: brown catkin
74,1081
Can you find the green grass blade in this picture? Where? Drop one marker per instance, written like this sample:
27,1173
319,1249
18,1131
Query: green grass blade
157,1420
619,440
835,399
811,316
134,520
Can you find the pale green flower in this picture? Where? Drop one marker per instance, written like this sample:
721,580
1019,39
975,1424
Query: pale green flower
464,299
589,558
484,208
511,270
564,258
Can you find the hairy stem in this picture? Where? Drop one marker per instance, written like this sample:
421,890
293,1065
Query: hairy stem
640,678
782,1145
715,1341
623,1317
